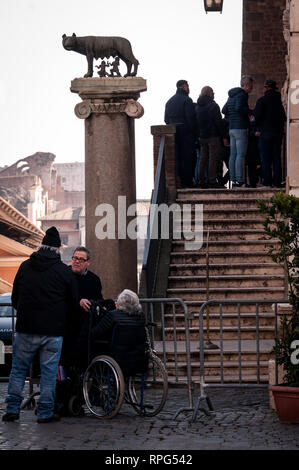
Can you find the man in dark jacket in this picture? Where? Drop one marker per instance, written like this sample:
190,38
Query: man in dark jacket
90,287
180,111
270,119
238,112
74,351
211,132
44,291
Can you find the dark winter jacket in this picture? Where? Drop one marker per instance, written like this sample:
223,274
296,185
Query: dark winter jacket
44,293
209,119
75,344
180,111
89,286
104,328
237,109
127,346
269,112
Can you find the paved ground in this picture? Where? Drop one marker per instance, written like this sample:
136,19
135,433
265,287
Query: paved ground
241,420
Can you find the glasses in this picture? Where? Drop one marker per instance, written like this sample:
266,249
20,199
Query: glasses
80,260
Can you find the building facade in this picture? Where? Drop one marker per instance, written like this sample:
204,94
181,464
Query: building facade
271,51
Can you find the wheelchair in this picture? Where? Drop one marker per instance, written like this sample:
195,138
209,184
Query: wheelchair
131,373
127,370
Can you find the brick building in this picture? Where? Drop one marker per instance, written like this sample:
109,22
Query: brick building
270,50
264,47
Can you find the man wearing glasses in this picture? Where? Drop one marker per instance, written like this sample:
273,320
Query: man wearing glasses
89,284
89,288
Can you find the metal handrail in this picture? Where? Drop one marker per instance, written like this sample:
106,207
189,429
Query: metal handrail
152,247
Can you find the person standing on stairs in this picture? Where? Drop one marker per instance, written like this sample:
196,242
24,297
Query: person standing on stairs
180,111
211,132
238,112
270,118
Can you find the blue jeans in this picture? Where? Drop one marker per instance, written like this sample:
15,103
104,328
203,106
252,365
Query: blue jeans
238,148
25,347
270,151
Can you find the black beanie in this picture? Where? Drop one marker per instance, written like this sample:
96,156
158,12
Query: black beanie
52,237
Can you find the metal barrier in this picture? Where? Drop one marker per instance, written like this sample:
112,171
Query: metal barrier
151,315
223,382
156,309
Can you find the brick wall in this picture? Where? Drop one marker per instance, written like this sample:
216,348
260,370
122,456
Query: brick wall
264,48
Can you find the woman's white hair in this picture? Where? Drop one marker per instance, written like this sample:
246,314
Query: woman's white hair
128,301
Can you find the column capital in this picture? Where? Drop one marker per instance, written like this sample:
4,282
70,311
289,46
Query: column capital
129,106
108,95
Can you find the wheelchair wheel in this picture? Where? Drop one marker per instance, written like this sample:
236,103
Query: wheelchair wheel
103,387
148,392
75,406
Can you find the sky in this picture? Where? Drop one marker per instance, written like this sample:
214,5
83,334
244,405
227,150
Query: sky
172,39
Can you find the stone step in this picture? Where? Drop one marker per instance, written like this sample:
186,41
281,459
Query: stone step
227,293
227,213
216,379
228,319
230,348
195,305
233,245
228,257
230,368
223,203
240,193
212,355
228,332
220,223
223,234
264,280
194,269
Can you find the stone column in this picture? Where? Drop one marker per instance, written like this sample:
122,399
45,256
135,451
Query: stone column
109,106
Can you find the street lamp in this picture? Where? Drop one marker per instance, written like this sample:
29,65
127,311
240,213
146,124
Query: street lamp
213,5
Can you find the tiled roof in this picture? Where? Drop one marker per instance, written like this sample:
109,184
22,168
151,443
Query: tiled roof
65,214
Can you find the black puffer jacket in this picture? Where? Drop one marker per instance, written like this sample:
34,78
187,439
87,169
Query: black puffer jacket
44,293
269,112
180,111
104,328
209,119
127,346
237,109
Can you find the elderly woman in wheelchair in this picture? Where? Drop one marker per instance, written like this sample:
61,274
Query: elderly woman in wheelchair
124,367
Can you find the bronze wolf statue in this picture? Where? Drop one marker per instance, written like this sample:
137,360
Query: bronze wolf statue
95,47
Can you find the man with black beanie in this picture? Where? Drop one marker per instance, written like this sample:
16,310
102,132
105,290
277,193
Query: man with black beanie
270,118
44,292
180,111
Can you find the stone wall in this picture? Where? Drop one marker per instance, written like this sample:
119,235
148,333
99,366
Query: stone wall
264,47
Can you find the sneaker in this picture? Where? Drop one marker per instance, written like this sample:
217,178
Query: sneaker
54,417
10,417
238,185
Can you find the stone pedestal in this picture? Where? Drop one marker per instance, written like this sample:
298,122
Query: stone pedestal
109,106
